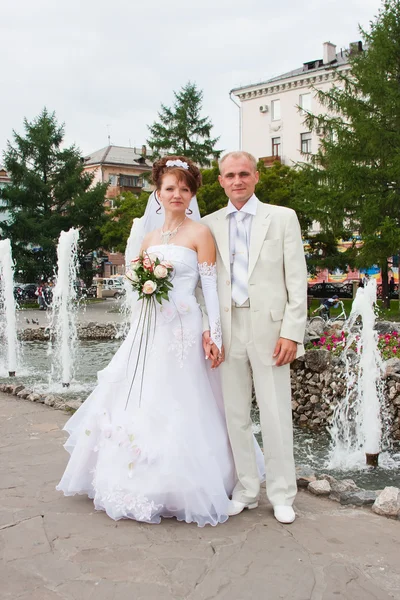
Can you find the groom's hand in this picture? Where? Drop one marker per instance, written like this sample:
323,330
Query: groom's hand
285,352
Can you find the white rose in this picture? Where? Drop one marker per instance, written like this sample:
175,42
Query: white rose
153,256
132,276
160,272
149,287
135,263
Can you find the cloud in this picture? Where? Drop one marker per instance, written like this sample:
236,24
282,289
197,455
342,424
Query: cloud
107,66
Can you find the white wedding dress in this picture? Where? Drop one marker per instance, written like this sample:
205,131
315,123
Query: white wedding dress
155,444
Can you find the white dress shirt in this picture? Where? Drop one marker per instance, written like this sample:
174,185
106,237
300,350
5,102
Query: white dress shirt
250,208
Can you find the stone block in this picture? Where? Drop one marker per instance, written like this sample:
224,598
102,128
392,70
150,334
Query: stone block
388,502
319,488
358,498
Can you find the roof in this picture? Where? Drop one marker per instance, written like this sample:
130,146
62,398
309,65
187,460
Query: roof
320,66
117,155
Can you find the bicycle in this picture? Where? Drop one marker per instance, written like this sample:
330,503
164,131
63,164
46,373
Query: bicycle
325,318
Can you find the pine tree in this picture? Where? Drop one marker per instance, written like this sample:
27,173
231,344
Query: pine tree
49,192
355,176
181,129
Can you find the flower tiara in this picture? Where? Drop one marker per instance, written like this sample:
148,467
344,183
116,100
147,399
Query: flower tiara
177,163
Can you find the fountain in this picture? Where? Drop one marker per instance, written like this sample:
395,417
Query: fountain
63,312
8,303
357,429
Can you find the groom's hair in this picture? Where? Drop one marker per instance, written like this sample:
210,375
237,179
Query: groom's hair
238,154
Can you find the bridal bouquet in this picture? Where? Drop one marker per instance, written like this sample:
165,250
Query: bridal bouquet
150,277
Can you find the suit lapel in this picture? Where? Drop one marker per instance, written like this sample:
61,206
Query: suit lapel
259,228
221,233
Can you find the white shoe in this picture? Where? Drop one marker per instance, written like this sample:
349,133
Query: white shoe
284,514
236,507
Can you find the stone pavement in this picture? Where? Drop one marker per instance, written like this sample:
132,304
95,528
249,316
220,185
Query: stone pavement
55,548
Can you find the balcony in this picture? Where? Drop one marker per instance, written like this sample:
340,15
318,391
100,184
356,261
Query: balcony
270,160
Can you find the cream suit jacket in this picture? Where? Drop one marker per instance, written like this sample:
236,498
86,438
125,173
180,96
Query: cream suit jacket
277,281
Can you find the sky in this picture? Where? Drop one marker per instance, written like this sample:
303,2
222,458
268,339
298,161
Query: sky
105,66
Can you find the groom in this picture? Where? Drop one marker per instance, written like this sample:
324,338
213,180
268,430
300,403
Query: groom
262,287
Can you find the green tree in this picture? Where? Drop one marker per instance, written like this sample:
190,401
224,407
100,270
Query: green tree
116,229
49,192
280,184
354,179
182,130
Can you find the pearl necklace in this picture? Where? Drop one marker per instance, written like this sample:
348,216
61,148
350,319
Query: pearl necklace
167,235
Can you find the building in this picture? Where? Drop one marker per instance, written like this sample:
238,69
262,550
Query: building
125,169
272,121
4,178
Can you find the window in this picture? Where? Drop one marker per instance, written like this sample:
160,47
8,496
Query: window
112,179
276,110
305,102
306,143
276,146
130,181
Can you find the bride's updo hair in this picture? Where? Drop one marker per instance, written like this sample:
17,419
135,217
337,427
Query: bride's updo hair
186,171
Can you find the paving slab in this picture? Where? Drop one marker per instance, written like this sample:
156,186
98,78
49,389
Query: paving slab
57,548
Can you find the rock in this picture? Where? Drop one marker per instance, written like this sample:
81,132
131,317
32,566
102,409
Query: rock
24,393
49,400
386,327
358,498
304,475
297,364
318,360
34,397
388,502
392,366
17,389
319,488
316,328
341,486
331,480
72,405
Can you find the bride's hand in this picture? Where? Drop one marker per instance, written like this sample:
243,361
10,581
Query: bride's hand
207,345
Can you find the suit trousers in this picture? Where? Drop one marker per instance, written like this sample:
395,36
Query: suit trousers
273,393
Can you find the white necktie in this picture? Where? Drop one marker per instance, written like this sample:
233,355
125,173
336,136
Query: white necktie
240,263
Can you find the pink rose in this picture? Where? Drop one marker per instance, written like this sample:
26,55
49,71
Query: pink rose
182,307
148,264
167,264
160,272
149,287
167,311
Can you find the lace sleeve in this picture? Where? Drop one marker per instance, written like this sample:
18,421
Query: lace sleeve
208,276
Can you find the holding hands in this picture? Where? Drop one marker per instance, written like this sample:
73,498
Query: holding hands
211,351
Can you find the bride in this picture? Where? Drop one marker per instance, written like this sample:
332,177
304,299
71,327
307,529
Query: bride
151,441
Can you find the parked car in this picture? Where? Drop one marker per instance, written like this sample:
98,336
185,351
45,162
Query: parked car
326,290
25,291
112,287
